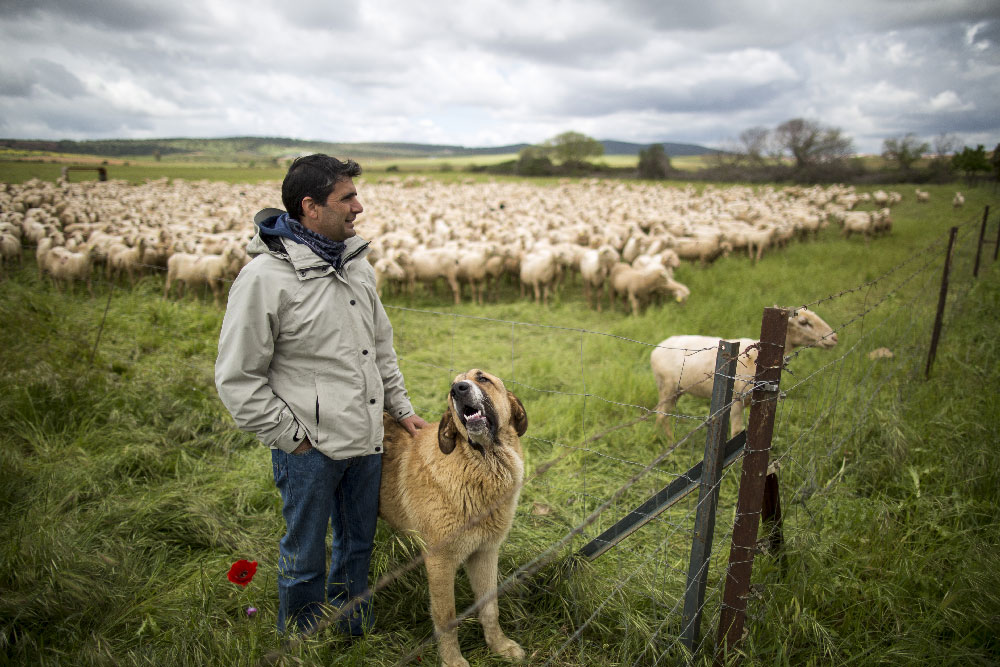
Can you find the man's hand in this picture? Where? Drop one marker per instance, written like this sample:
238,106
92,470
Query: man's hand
412,424
303,447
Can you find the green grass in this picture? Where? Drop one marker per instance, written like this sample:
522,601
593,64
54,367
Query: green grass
19,166
127,492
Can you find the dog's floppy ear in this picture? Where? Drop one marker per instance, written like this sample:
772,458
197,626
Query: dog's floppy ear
447,433
518,415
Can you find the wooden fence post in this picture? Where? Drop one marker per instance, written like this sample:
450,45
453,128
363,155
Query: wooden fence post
979,246
708,494
763,406
942,298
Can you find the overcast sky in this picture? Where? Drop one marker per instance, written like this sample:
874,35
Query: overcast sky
477,73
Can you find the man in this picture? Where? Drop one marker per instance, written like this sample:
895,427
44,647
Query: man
306,363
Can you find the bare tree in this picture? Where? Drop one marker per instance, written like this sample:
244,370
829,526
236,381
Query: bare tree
946,144
754,143
904,150
811,143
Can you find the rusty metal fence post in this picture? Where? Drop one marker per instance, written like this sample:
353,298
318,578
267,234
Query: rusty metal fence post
996,245
942,298
763,406
708,493
979,246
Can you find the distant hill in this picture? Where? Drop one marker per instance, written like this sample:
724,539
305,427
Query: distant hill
269,148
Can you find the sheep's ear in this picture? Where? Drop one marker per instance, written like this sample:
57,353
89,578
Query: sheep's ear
518,415
447,433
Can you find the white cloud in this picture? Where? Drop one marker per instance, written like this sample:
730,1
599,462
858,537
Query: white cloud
948,100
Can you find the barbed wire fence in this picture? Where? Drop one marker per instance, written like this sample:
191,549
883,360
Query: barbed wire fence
603,460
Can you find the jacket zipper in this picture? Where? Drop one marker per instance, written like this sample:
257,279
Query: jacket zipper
352,256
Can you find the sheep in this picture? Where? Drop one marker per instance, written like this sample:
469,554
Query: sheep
858,222
211,270
595,266
882,221
388,270
702,248
124,258
640,285
686,364
66,266
429,264
958,201
539,270
923,196
472,270
10,250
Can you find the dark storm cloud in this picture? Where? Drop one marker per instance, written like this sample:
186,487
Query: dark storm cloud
721,96
788,21
40,74
15,83
114,14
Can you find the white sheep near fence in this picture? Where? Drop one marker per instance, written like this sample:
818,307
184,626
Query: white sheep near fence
10,250
595,266
685,364
68,267
193,270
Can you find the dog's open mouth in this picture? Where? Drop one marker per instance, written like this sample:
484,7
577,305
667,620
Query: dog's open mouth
473,419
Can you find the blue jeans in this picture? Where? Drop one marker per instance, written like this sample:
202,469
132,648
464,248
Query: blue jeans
317,491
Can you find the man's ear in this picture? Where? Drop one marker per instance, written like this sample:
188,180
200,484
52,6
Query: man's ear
309,207
518,415
447,433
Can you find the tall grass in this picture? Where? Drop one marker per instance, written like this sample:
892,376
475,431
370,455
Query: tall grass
127,492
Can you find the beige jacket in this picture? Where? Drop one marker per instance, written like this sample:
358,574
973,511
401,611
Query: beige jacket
307,351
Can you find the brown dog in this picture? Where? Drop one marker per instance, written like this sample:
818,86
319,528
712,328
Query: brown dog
456,485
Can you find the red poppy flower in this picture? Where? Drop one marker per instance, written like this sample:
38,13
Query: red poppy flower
242,572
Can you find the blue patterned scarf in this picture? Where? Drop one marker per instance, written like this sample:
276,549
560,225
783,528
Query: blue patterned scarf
329,250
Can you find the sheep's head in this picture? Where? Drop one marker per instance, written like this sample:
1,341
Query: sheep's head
807,329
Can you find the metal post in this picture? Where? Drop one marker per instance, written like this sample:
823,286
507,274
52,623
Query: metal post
100,330
996,246
979,246
942,298
770,513
708,494
763,407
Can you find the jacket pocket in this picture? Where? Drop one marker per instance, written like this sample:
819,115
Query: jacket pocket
341,418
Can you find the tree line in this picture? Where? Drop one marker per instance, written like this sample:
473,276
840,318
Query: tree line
798,150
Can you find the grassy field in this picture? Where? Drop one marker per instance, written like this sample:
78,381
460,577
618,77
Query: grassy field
127,492
16,167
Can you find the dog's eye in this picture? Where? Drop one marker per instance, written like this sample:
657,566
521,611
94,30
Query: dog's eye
483,378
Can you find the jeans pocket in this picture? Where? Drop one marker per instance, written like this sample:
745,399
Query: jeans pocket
278,468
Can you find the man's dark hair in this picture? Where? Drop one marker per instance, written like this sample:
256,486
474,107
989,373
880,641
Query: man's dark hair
314,176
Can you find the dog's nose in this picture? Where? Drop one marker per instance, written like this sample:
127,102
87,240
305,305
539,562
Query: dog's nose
462,387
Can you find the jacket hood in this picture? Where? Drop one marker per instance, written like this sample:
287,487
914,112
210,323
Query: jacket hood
275,237
273,222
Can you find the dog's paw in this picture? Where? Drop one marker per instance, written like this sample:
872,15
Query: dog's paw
508,648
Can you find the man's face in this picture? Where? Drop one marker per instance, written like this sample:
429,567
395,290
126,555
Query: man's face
335,218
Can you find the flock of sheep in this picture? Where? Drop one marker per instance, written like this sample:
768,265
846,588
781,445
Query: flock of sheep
618,240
